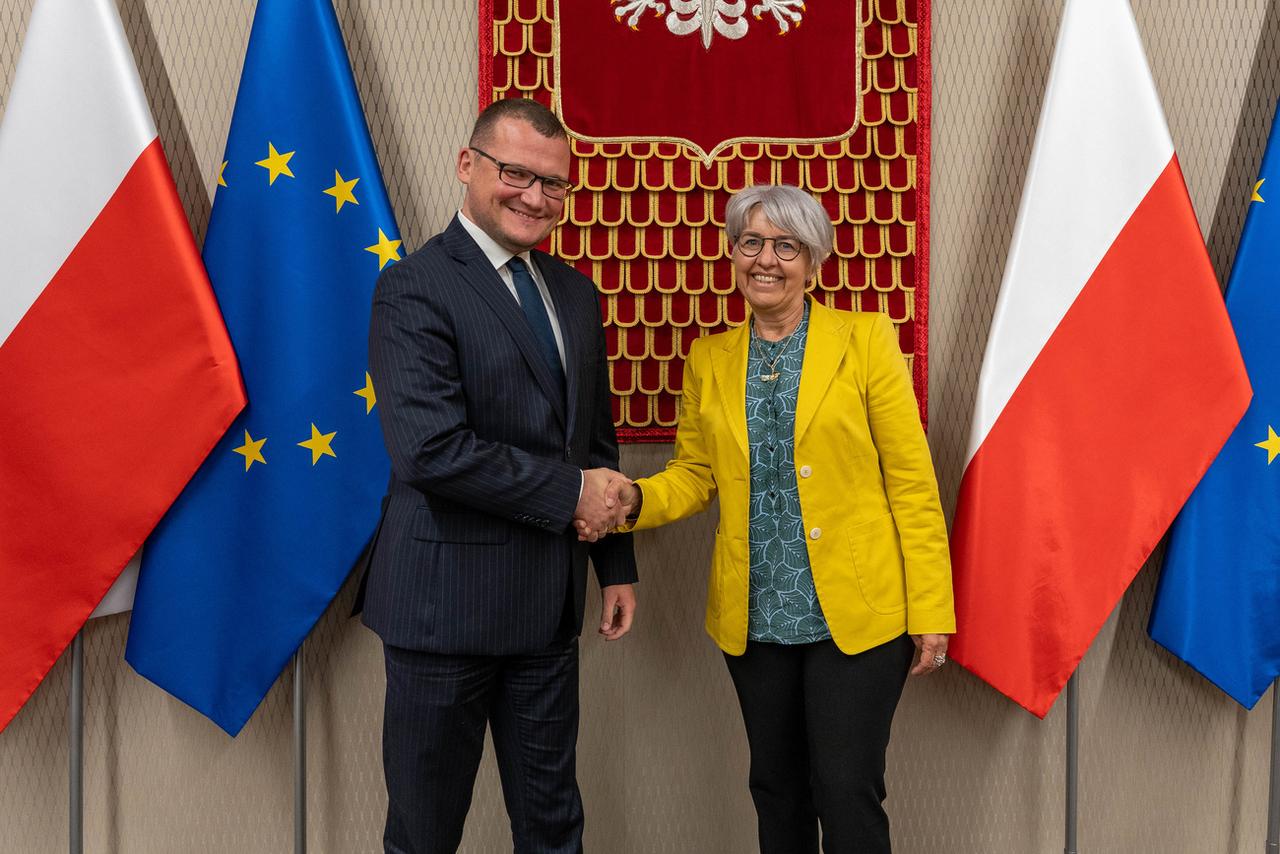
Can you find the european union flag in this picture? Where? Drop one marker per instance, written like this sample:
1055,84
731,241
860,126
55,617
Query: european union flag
1218,603
238,572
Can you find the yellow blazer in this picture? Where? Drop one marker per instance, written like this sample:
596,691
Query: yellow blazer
868,497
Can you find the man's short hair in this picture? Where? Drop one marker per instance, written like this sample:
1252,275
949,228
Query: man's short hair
528,110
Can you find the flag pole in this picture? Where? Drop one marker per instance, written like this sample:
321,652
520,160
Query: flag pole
1073,757
299,755
1273,806
76,738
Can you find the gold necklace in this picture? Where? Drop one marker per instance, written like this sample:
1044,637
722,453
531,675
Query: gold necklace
774,373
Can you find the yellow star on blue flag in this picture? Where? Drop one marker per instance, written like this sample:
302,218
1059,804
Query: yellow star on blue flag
1271,444
251,450
370,399
276,163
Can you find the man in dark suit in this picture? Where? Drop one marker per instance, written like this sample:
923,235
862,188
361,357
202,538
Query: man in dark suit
489,362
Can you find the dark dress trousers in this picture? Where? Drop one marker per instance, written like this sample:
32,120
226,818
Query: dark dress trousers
477,581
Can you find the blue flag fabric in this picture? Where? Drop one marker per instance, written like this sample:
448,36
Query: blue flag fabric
251,554
1218,602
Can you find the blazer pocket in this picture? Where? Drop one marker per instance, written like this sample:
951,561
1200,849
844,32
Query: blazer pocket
877,563
720,582
460,527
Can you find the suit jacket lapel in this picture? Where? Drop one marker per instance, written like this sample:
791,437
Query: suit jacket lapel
824,349
729,366
477,272
562,298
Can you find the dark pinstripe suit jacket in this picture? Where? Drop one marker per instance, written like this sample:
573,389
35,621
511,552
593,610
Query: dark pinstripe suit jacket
475,553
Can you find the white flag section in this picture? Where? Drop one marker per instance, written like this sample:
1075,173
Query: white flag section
120,597
1101,145
1111,376
71,47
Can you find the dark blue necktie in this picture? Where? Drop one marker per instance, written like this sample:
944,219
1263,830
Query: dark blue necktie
536,314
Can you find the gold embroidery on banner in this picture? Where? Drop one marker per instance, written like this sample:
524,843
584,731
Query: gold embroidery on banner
645,224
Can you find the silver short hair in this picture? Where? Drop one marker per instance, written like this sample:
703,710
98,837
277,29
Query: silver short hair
788,208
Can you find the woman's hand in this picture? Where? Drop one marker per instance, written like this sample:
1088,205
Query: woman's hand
932,651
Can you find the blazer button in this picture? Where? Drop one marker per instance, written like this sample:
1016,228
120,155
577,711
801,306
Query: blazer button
805,471
815,533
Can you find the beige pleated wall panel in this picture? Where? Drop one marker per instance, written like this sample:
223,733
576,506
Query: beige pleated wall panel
1168,764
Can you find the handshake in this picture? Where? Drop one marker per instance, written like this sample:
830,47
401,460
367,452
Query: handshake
608,497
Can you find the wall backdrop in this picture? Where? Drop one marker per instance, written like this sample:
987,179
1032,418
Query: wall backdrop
1167,765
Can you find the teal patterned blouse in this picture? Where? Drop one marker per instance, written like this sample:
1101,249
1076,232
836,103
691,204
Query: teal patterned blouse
783,605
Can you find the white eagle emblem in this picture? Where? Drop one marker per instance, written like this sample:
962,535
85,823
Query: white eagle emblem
711,16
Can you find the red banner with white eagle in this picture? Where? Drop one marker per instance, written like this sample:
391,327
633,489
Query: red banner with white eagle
705,73
673,106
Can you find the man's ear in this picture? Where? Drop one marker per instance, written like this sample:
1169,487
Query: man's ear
466,159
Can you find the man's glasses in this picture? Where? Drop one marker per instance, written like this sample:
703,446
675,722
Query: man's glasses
751,245
518,176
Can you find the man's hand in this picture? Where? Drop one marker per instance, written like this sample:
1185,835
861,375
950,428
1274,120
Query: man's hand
619,602
622,493
599,511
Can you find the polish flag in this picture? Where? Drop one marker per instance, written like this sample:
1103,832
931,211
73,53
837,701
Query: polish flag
1111,376
116,373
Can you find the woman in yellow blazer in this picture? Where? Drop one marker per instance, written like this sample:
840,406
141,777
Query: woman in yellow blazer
831,549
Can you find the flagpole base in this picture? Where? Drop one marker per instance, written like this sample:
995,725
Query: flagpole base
1273,795
1073,764
76,736
299,755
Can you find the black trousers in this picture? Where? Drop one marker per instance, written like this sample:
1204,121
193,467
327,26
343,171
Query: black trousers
437,708
818,726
